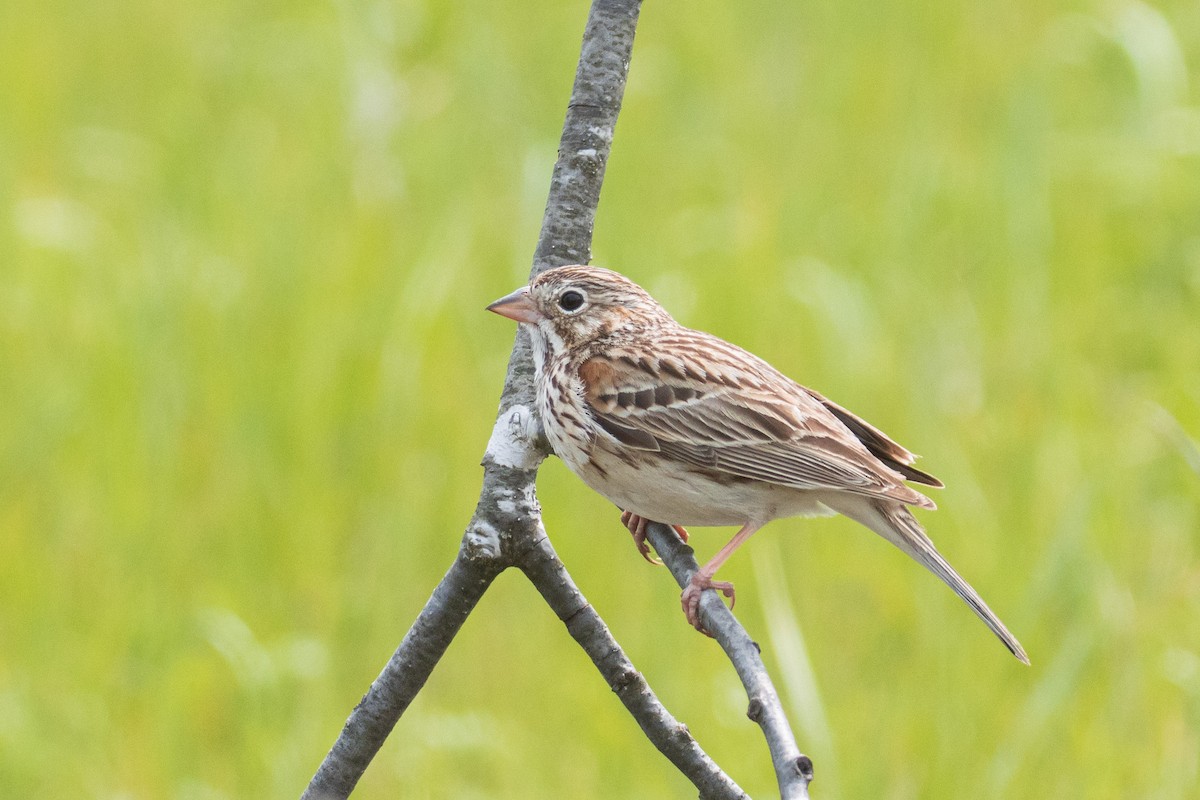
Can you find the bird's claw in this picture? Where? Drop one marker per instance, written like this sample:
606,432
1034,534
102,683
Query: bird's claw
637,527
690,599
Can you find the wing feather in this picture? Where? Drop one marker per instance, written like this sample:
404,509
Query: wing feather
879,443
739,416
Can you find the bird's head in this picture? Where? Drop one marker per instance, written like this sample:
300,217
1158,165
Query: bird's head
578,304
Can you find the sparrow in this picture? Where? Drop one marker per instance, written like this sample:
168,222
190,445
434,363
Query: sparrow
677,426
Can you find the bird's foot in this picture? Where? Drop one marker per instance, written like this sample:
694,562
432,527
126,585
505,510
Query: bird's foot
690,599
637,527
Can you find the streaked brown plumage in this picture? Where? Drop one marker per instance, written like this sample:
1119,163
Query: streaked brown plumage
679,426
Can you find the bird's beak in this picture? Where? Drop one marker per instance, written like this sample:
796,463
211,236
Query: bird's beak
517,306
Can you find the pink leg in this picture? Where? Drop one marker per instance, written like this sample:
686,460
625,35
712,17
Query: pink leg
703,578
637,527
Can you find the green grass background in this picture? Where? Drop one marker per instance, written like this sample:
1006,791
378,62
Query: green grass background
246,380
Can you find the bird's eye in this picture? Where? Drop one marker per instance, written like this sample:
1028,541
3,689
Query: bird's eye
570,300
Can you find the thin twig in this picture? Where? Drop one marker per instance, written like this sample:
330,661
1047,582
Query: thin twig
403,676
506,529
507,520
547,573
793,770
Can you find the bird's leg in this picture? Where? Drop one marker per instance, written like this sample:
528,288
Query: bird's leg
637,527
703,578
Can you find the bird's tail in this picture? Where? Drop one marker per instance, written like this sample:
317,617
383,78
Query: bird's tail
894,522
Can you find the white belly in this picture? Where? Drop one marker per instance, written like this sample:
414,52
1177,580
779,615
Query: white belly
678,496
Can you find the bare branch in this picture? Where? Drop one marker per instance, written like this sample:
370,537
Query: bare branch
566,236
671,737
506,529
793,770
403,676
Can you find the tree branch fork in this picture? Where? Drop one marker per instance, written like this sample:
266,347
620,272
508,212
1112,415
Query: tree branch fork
506,530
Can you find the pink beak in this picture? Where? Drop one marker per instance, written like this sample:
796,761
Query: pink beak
517,306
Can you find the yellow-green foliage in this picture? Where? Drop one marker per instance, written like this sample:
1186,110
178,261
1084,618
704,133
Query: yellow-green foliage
246,379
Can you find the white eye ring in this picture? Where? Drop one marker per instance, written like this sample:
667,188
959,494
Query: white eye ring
572,301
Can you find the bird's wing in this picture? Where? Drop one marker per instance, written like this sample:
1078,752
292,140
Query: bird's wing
882,446
728,411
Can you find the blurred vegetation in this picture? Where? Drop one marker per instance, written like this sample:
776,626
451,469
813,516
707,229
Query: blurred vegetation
247,380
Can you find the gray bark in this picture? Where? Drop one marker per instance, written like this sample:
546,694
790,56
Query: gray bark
793,770
506,529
